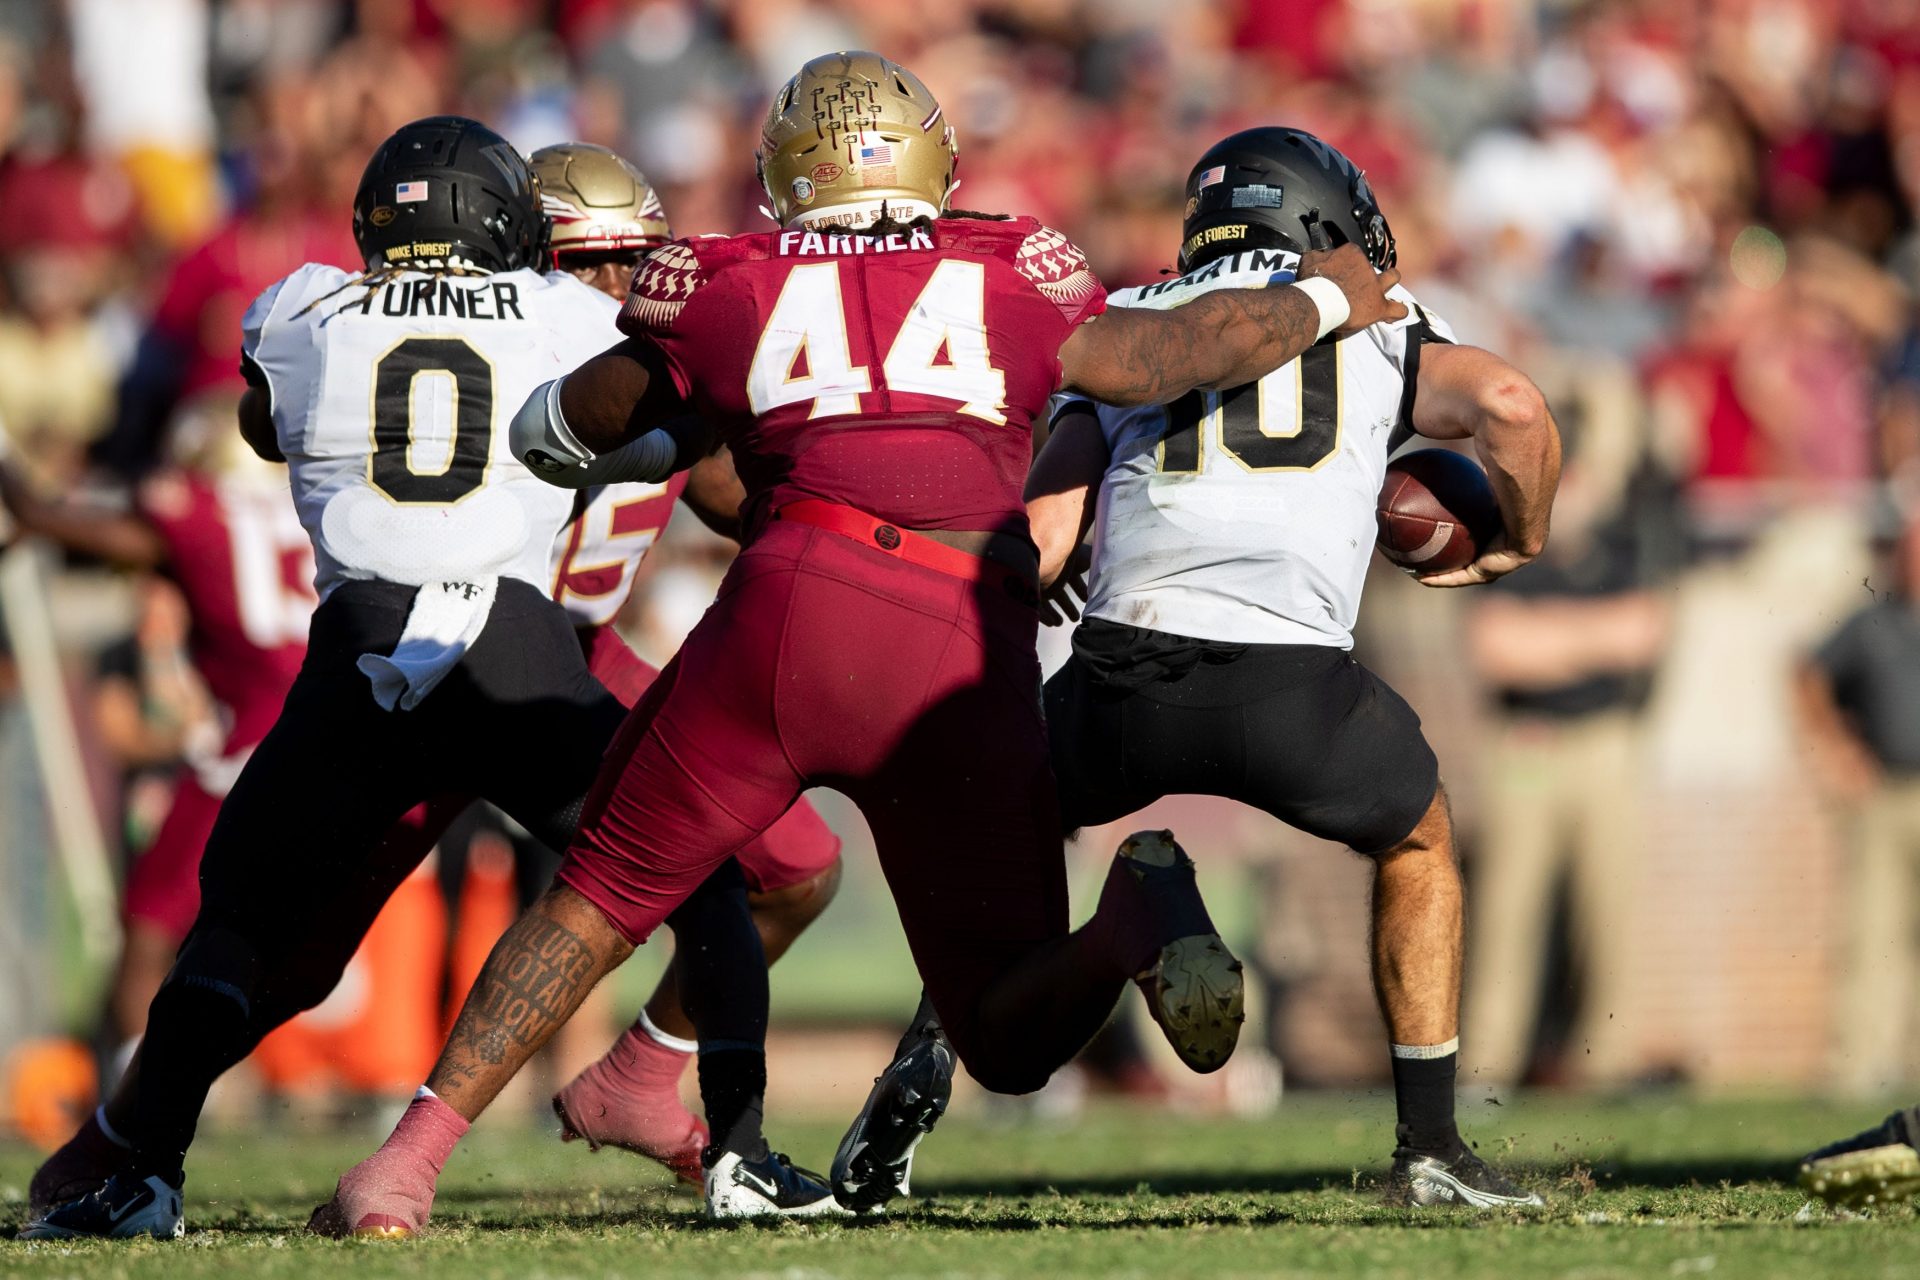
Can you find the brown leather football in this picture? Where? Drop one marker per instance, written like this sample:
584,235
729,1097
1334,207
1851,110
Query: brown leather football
1436,511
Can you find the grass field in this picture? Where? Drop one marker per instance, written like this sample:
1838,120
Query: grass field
1659,1186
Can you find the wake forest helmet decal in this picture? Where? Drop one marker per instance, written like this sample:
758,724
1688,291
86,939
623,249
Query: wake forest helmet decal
850,132
1279,188
596,202
449,193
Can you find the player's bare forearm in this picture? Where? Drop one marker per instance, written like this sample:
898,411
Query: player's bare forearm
1225,338
1063,477
714,493
1467,392
537,975
619,395
115,536
256,424
1222,339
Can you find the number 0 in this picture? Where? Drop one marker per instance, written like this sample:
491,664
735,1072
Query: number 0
396,436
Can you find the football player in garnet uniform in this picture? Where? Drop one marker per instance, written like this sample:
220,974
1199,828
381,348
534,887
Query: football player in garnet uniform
604,217
218,522
875,366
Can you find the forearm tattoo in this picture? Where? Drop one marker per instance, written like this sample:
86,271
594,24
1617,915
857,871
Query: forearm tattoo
538,974
1226,338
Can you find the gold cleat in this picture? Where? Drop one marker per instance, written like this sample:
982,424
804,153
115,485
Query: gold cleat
1865,1177
1194,987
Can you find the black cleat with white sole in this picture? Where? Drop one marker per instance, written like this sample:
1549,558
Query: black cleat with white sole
770,1186
124,1207
1424,1179
875,1161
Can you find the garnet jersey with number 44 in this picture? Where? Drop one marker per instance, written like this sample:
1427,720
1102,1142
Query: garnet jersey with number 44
1248,515
899,374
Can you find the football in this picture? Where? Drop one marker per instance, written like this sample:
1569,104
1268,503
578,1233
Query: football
1436,511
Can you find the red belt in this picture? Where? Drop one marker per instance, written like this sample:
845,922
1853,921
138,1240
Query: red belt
915,548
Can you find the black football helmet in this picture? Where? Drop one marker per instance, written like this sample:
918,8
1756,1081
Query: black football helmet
447,191
1281,188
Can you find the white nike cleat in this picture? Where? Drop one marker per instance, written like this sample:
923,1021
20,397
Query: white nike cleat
770,1186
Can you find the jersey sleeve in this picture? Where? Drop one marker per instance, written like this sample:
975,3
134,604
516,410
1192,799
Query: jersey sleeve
1401,341
1055,267
663,284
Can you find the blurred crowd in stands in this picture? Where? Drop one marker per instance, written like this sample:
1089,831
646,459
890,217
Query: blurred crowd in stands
1693,221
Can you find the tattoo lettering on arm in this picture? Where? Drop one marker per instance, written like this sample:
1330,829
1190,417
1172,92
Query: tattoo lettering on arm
1226,338
526,990
538,974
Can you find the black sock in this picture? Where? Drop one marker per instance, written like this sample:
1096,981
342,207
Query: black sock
722,973
1423,1098
196,1029
925,1021
733,1083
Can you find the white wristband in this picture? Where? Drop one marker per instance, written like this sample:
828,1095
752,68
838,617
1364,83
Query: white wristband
1328,300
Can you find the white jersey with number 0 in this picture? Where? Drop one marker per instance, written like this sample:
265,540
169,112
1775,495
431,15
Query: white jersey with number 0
1248,515
391,404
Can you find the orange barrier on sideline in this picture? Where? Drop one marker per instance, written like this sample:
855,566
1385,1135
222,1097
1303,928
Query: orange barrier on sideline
379,1031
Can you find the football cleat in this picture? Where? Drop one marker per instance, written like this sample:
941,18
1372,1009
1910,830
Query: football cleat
124,1207
1875,1167
83,1165
596,1110
771,1186
1193,984
875,1161
1424,1180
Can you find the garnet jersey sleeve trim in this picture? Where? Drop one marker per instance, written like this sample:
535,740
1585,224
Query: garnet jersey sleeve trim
1056,267
662,283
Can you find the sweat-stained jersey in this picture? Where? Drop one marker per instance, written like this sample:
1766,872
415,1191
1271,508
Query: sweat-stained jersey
596,556
897,374
241,559
1248,515
391,403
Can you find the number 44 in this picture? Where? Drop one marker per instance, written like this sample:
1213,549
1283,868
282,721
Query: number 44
804,353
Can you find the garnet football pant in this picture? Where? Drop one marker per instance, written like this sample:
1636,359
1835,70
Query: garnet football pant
826,662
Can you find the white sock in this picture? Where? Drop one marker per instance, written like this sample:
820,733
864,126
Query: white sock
1420,1052
646,1028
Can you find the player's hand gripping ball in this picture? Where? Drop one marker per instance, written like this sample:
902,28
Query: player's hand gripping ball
1436,512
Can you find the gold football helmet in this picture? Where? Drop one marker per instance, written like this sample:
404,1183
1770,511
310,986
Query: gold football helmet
850,132
596,202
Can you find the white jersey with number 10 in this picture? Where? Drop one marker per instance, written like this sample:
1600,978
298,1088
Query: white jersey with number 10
391,404
1248,515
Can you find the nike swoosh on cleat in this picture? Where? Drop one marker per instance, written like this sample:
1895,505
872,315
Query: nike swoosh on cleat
764,1186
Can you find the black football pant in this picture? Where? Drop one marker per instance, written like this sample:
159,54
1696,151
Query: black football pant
1303,731
306,849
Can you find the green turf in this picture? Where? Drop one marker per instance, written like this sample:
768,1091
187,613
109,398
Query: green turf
1653,1187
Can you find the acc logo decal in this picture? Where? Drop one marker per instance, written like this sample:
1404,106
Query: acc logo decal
826,171
541,460
1193,203
381,215
803,190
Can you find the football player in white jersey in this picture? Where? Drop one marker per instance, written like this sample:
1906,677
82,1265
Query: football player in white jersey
1231,537
437,662
1232,531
